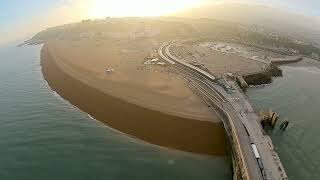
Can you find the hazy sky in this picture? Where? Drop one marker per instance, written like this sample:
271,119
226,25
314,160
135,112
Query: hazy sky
307,7
20,17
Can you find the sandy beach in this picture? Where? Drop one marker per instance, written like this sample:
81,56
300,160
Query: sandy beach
152,105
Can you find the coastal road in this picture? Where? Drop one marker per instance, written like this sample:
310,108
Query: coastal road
235,122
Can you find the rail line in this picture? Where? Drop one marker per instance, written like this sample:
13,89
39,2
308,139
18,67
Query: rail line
204,83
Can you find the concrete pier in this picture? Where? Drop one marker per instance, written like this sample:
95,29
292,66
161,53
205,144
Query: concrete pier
254,155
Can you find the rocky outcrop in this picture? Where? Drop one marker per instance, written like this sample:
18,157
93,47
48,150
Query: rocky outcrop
263,77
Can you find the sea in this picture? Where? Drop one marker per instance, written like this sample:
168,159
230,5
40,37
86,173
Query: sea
43,136
296,98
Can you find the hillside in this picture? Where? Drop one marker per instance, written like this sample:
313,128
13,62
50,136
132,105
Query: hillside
271,18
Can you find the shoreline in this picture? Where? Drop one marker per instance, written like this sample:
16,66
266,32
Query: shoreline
151,126
54,93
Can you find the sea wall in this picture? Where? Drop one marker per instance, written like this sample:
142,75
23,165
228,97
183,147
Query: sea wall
287,60
263,77
273,70
151,126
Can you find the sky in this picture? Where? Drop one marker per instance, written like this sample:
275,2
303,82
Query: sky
309,9
20,18
306,7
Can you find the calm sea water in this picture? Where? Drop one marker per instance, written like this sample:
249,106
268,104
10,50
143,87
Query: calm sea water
44,137
296,96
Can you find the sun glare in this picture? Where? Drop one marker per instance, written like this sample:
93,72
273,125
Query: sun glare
123,8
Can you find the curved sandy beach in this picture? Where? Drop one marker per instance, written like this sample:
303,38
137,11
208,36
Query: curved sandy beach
190,130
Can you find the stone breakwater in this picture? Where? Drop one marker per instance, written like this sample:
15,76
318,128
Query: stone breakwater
263,77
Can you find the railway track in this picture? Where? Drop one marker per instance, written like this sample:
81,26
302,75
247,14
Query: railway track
205,86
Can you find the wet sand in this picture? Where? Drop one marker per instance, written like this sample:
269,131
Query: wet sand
164,129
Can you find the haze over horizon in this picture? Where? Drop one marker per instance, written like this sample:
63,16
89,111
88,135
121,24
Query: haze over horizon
15,23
